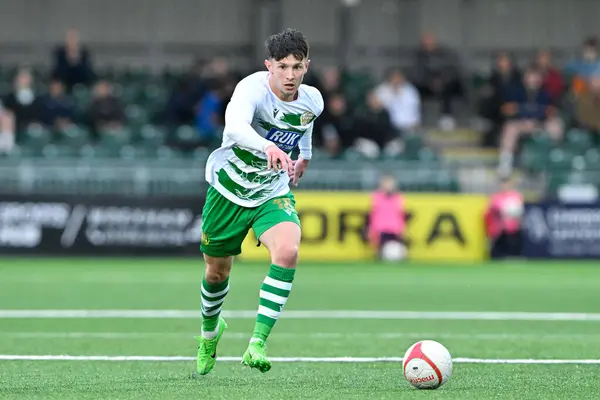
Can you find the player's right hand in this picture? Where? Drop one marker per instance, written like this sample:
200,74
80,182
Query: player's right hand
277,159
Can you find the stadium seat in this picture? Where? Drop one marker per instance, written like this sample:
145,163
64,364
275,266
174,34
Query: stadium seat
53,151
36,137
186,135
151,136
578,139
136,115
74,136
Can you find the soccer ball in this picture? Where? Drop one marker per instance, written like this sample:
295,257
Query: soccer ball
513,209
427,365
393,251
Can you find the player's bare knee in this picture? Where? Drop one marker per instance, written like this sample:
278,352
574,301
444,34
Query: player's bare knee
286,255
217,269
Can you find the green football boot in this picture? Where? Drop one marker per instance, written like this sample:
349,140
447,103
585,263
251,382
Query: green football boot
207,350
256,356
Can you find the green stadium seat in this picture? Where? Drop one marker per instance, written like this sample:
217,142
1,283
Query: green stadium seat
151,136
36,137
580,140
53,151
74,136
136,115
115,137
186,135
533,157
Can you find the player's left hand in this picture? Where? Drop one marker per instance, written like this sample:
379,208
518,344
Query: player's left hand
297,170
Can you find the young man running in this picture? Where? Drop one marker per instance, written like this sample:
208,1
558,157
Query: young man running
270,114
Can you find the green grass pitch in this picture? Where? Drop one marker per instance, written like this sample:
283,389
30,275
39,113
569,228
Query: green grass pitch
40,292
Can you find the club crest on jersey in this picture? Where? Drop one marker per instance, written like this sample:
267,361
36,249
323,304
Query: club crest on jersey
306,118
284,139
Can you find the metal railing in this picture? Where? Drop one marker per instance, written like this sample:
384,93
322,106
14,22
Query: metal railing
186,177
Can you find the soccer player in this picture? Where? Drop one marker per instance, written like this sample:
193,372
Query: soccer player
269,115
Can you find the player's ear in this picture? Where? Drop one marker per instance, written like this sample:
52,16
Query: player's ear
307,65
268,65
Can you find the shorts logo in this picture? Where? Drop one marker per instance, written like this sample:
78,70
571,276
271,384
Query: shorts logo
307,118
285,205
285,140
205,239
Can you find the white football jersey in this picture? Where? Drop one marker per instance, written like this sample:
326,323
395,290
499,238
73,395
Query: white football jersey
239,173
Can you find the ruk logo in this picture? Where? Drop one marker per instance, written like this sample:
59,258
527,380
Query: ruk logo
285,140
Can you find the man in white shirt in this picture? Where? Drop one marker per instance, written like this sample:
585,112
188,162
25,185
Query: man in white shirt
270,114
402,101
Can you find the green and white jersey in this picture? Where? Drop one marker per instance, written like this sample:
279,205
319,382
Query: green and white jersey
255,118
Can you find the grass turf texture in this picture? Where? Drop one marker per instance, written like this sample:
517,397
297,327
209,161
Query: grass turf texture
175,284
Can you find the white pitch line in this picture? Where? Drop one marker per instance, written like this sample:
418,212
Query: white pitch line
307,314
461,360
311,335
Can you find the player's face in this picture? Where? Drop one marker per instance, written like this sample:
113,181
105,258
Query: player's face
287,75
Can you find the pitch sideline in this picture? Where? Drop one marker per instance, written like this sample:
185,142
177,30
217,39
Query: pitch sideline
459,360
306,314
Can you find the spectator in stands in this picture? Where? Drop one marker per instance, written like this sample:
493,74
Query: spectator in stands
553,81
503,221
387,219
106,111
180,109
438,76
72,63
375,133
588,107
7,129
57,108
330,82
401,100
23,101
335,130
504,76
528,108
210,112
580,69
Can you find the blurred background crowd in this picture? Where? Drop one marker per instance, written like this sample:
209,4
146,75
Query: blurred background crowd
429,102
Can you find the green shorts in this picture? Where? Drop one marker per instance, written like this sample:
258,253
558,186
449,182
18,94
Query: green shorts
225,224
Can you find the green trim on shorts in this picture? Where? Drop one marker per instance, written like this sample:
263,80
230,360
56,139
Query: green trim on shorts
225,224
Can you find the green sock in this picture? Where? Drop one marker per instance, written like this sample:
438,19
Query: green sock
212,301
274,292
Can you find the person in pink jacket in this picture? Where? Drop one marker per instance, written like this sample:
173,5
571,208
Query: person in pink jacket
503,221
387,219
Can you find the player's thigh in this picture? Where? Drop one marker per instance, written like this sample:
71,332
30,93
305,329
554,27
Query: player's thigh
277,226
224,226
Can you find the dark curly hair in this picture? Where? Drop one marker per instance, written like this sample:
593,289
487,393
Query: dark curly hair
288,42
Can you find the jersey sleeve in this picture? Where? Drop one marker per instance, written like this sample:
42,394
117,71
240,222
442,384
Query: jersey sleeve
305,143
239,114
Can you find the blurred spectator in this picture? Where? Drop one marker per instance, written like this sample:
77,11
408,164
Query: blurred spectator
504,76
528,108
438,76
580,69
180,108
375,131
553,82
106,111
330,82
401,100
387,220
210,112
335,130
588,106
191,88
23,101
7,129
57,108
72,64
503,221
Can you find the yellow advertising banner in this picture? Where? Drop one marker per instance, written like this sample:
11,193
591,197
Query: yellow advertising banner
440,227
